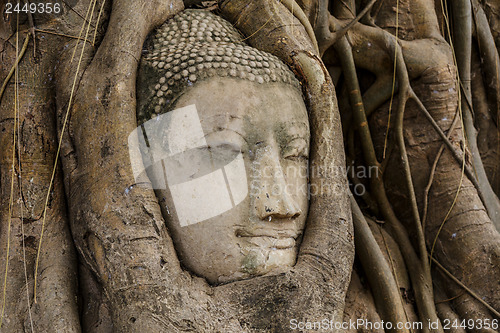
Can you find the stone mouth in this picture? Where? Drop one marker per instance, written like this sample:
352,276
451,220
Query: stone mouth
272,239
267,232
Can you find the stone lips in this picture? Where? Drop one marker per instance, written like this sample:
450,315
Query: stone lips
192,46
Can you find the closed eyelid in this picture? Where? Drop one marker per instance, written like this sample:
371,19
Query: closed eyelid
301,148
297,141
296,138
221,146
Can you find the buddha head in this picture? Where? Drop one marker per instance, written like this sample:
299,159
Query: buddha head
224,137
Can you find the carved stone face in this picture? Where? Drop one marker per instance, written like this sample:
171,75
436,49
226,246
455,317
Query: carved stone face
257,141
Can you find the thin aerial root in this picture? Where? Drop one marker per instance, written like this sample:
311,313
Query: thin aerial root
13,69
13,171
63,35
462,36
421,281
433,171
97,23
472,293
342,31
404,94
383,280
299,14
32,27
83,27
468,171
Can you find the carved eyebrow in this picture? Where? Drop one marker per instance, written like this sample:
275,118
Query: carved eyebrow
293,123
228,118
222,129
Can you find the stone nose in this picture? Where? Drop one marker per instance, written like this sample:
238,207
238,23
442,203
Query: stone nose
273,199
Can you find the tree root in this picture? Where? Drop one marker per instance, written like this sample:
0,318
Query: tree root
384,287
421,280
463,43
472,293
14,67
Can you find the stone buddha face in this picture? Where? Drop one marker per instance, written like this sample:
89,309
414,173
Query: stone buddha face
233,154
265,126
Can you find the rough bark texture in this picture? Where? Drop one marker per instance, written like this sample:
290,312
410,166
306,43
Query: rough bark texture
107,262
35,154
